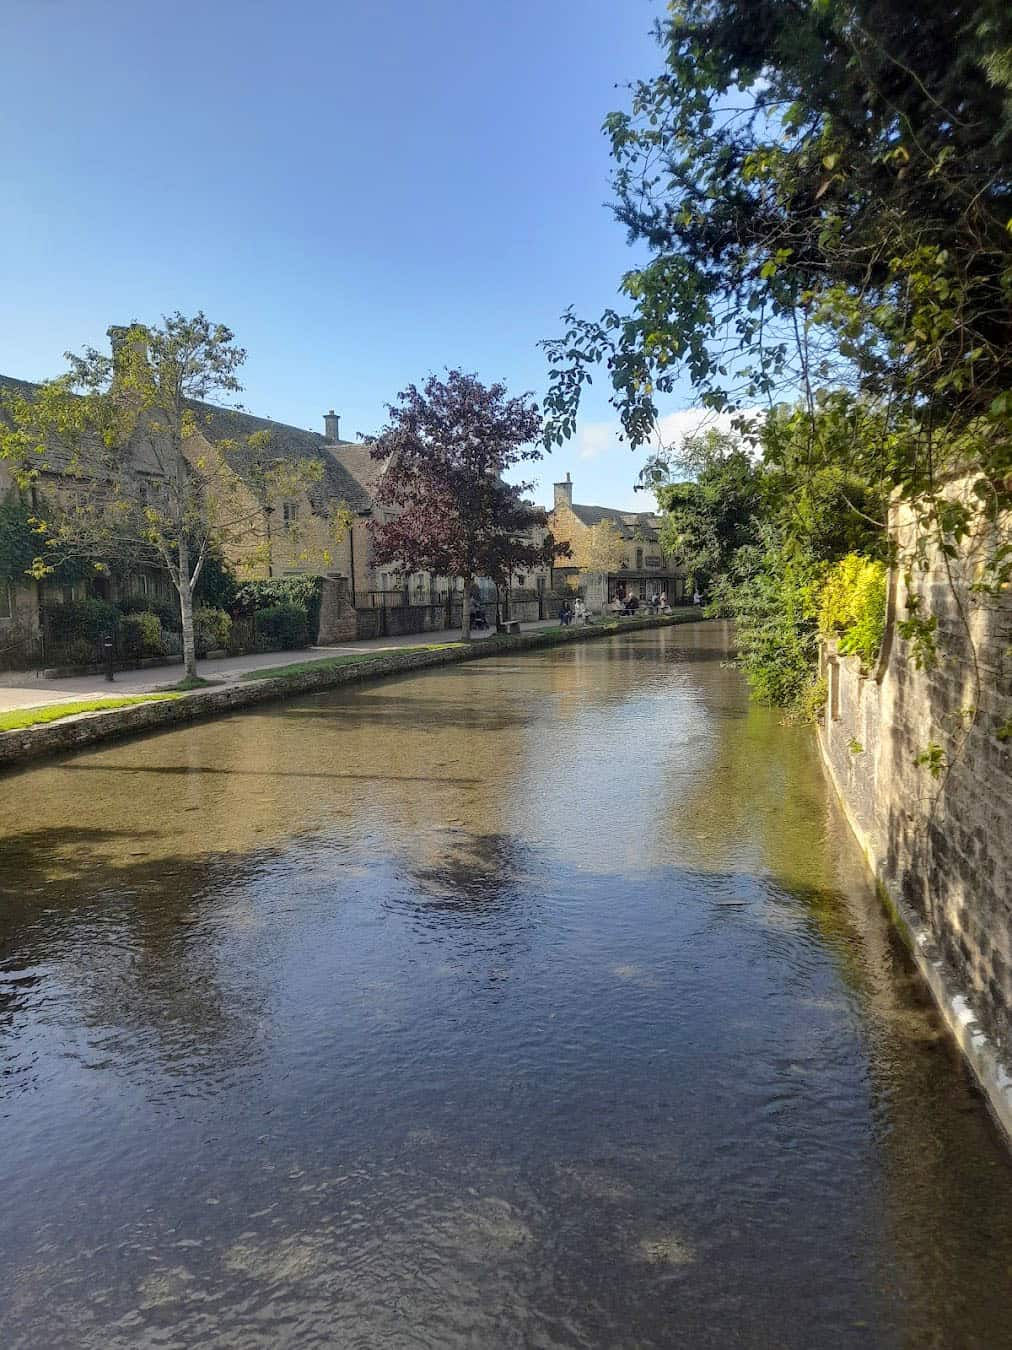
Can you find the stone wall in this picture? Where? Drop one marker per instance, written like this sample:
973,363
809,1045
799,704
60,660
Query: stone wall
338,621
20,640
941,847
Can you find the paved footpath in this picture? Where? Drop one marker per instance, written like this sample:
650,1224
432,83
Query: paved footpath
28,689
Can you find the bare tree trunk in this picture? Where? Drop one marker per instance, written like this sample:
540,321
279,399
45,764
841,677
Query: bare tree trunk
465,612
186,609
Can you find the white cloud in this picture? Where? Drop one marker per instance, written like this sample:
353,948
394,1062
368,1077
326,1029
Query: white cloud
593,439
672,428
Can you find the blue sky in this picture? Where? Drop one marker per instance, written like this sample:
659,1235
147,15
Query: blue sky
363,191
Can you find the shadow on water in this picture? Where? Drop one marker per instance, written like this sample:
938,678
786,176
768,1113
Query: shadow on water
578,1026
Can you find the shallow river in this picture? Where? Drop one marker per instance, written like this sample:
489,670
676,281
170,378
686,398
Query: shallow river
536,1002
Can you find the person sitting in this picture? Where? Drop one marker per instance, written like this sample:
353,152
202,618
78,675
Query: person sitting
662,602
632,605
579,611
565,614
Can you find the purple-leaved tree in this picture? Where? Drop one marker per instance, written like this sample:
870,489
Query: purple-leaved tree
447,446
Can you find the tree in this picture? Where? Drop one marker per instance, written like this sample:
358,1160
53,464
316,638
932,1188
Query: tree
142,479
825,191
453,515
600,549
713,511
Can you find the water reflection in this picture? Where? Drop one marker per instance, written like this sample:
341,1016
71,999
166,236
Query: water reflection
542,1001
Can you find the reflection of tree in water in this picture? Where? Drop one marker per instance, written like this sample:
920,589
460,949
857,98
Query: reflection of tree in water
472,873
140,950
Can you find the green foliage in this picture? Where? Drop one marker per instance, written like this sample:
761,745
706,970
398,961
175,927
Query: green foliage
854,746
19,542
166,611
77,651
216,587
141,634
772,592
89,619
283,627
932,758
853,606
24,549
304,592
708,518
920,630
847,222
813,700
212,629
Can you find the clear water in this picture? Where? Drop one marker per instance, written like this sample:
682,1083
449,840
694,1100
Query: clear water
536,1002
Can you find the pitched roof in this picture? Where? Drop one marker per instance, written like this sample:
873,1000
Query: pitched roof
291,443
355,458
630,524
338,484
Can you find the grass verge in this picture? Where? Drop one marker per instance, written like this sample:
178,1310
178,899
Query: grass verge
345,659
52,712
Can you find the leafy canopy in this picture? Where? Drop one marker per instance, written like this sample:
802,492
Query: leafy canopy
450,512
825,194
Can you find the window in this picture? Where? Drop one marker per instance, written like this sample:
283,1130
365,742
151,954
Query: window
653,560
639,559
521,582
291,514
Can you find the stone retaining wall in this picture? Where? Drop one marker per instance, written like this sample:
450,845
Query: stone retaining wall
72,733
940,847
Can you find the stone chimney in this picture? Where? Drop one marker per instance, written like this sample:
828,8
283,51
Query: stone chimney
122,348
331,427
564,493
118,334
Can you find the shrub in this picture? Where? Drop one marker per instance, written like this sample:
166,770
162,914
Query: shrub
282,627
772,592
302,592
813,700
167,611
141,634
211,630
854,606
216,586
89,619
78,652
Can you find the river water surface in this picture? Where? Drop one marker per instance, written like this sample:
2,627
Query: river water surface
536,1002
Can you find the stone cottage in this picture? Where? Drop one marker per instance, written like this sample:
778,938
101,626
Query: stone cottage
638,565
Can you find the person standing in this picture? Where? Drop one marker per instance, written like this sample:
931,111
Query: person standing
697,599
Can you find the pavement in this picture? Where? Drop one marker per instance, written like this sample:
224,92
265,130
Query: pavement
29,689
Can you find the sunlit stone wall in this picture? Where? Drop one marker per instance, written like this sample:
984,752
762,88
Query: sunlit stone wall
940,845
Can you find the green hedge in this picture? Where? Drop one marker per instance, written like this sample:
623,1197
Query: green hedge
283,627
166,611
302,592
88,619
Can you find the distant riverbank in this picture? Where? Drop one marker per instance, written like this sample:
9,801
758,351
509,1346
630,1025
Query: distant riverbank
72,732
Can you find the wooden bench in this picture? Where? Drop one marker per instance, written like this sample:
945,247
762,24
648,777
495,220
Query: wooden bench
510,626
